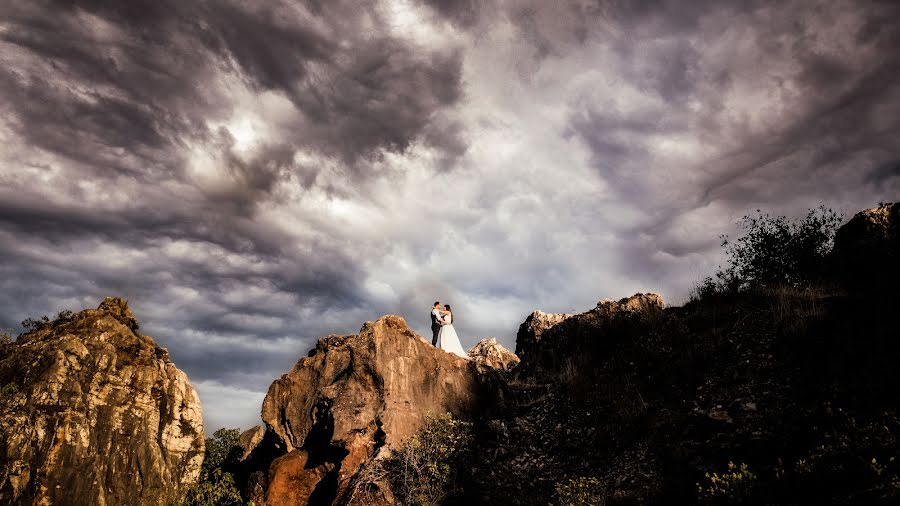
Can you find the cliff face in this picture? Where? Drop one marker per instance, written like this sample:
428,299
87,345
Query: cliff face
533,328
95,413
354,396
555,345
786,396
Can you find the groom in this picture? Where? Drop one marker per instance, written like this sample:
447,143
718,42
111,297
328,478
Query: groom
436,322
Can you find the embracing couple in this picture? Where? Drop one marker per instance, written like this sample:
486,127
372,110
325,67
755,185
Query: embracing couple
444,335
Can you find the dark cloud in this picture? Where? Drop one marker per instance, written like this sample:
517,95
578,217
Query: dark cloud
465,13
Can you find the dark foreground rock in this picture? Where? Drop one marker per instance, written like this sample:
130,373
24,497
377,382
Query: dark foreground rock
866,254
94,413
533,328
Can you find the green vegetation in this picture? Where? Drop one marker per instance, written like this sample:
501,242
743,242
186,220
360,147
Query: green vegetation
775,252
216,486
885,479
732,486
428,468
9,390
583,491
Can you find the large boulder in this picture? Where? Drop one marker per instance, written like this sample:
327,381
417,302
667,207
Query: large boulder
533,328
95,413
490,353
866,254
357,396
568,347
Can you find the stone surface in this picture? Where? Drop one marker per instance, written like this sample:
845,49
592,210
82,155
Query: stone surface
101,416
533,328
489,352
564,343
250,439
866,254
355,396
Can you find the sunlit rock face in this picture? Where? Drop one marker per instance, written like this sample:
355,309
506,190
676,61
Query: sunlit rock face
490,353
357,396
95,413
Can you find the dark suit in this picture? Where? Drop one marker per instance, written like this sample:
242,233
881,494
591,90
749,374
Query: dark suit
435,328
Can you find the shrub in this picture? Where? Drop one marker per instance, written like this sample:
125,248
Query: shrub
223,450
426,468
9,390
775,251
731,486
31,324
580,492
216,486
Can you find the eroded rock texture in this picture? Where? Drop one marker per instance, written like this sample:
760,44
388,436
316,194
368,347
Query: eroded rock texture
94,413
490,353
533,328
354,395
566,344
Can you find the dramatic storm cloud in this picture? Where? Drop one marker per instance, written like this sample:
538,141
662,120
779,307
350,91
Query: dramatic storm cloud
254,175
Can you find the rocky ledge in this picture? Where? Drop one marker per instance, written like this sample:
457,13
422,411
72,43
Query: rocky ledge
490,353
355,397
95,413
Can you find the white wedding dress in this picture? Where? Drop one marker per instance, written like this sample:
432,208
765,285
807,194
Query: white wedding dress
448,340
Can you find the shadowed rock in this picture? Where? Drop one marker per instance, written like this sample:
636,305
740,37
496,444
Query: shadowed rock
99,415
564,343
866,253
533,328
355,396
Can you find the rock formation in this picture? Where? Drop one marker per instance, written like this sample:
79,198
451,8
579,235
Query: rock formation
355,395
533,328
866,252
94,413
558,342
490,353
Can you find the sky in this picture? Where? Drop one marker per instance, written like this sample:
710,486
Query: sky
253,175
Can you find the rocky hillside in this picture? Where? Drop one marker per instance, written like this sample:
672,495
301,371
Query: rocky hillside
94,413
767,396
778,396
744,396
353,398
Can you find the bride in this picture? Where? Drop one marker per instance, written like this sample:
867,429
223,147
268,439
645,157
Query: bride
447,338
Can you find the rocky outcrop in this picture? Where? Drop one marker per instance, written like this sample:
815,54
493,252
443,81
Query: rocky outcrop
250,439
95,414
490,353
533,328
567,346
866,254
355,396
